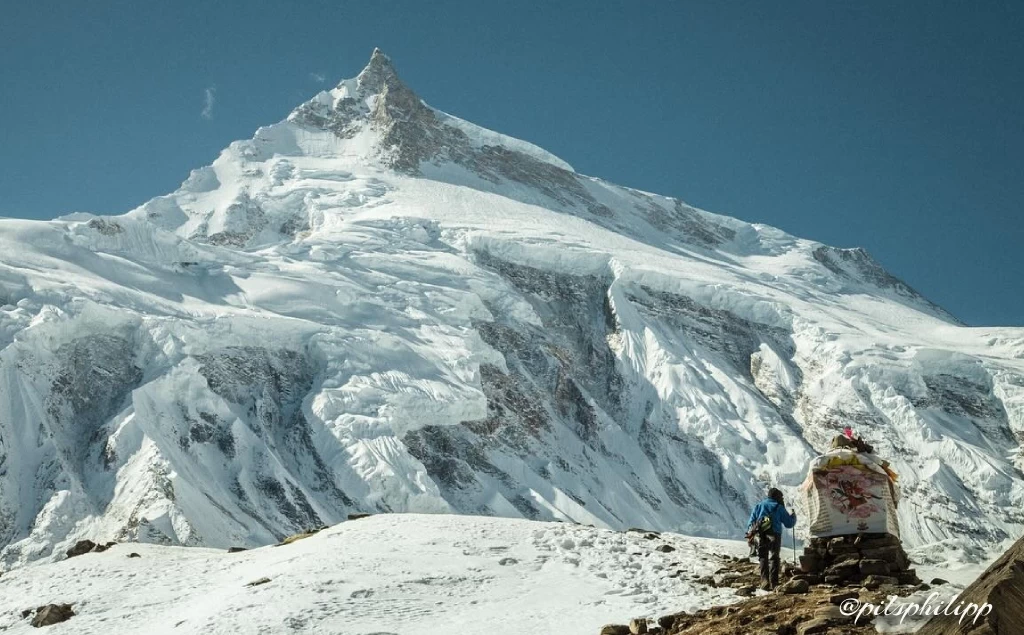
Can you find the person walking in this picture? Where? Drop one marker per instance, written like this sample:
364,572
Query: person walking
766,522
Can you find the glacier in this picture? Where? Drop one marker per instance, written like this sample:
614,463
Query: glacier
375,306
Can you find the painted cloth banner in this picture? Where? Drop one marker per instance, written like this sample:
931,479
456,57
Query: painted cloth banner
850,493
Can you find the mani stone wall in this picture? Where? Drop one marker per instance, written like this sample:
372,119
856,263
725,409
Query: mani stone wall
868,559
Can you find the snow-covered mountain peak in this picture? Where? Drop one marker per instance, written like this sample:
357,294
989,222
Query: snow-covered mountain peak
407,132
375,306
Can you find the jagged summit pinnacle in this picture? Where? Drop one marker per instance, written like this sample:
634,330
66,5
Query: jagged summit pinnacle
408,132
378,74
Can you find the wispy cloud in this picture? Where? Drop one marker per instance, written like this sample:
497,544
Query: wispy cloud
319,78
209,99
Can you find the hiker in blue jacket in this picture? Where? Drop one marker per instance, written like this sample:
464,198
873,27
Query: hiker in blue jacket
766,523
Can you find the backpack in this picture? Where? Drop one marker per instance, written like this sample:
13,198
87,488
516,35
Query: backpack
763,527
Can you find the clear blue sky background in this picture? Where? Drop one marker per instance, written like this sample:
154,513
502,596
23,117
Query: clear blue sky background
896,126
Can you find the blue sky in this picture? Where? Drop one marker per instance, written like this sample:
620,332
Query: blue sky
895,126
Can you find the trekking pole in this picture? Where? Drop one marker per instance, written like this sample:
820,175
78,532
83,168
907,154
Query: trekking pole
793,533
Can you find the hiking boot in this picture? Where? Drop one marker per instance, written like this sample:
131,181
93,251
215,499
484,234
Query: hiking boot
765,586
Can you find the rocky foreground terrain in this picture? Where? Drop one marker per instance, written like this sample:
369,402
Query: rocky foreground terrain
830,597
802,605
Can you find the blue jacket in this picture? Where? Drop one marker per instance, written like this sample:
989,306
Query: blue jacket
777,512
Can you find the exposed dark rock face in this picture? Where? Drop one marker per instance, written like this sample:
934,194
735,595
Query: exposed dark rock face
268,386
964,397
80,385
857,265
733,337
95,375
561,382
244,219
209,429
343,119
685,221
105,227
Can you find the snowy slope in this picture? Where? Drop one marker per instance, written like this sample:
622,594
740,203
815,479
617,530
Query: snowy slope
375,306
386,574
394,573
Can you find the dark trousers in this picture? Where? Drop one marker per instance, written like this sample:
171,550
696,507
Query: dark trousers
768,548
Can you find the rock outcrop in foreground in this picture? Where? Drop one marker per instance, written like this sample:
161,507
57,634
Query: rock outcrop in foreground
1002,586
836,571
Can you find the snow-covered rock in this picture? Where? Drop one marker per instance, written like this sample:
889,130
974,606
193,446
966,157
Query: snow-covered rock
375,306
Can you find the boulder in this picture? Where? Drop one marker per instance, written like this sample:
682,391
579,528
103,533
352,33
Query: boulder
258,582
895,556
746,591
839,545
842,572
665,548
846,558
793,587
615,629
833,614
875,581
938,582
81,547
87,546
297,537
638,626
52,614
134,555
236,549
812,627
878,567
908,577
839,598
885,540
811,562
